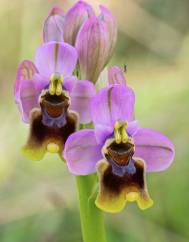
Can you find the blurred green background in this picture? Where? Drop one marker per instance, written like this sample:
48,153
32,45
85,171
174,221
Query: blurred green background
38,201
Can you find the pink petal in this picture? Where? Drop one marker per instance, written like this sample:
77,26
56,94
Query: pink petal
81,96
82,152
111,24
91,44
56,57
112,104
74,19
154,148
53,26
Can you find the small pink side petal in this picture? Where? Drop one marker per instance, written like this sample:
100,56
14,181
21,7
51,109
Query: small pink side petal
56,57
25,72
29,94
133,128
116,76
82,152
102,133
154,148
53,25
69,82
81,96
74,19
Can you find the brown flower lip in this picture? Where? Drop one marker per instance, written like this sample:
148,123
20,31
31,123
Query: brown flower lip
121,153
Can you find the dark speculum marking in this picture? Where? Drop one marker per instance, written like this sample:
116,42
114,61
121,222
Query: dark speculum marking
115,184
41,134
121,153
121,170
54,109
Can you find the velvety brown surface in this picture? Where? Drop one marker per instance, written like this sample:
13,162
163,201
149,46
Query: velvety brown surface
53,104
121,153
115,184
39,133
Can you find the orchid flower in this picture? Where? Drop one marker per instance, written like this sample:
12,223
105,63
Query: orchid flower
119,150
93,36
51,99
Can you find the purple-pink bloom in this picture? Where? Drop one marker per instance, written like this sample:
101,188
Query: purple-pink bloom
94,36
119,149
32,78
112,104
95,44
51,99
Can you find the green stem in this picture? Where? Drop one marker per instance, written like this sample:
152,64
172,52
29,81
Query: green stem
92,221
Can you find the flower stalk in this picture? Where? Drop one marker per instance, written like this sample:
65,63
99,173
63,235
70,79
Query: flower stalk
92,219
